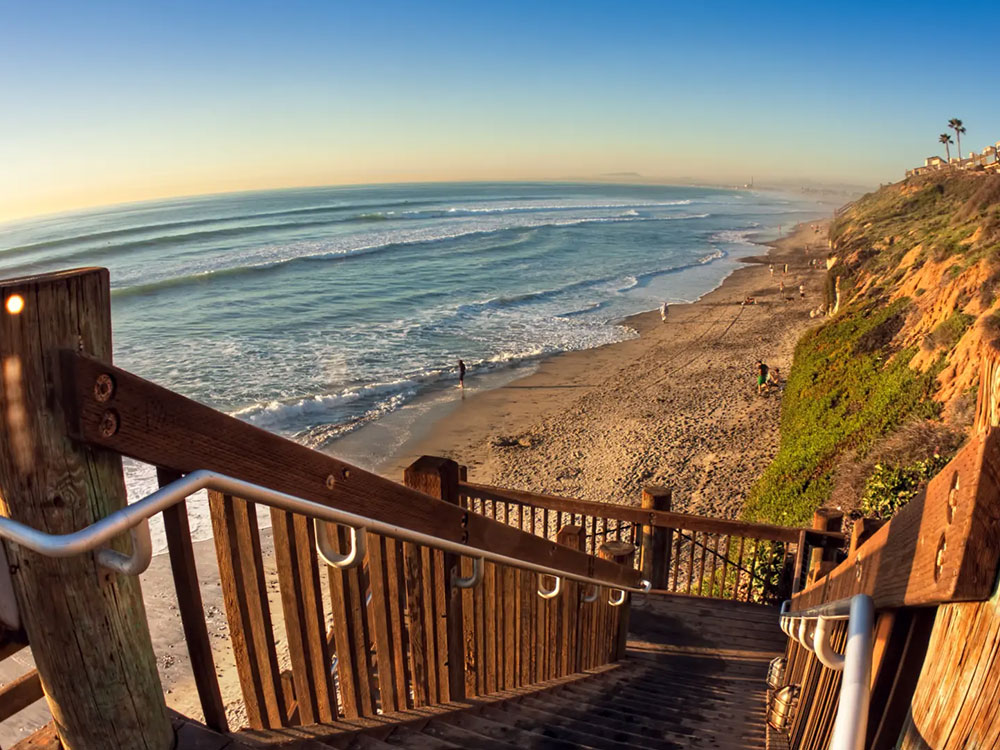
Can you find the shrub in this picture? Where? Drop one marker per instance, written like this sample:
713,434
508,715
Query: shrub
889,487
949,331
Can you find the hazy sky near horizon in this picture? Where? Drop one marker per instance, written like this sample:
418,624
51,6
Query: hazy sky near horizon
107,102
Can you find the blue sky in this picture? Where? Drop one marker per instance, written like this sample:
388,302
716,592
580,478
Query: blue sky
107,102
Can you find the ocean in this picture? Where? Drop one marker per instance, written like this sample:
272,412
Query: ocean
313,312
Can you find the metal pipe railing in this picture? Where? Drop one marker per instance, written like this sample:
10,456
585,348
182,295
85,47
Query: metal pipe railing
856,663
134,518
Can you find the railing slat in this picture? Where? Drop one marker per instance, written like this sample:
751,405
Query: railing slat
424,683
392,688
191,608
244,590
302,603
350,634
492,607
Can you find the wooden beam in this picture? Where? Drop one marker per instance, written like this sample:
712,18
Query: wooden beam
86,625
19,694
161,427
944,546
665,519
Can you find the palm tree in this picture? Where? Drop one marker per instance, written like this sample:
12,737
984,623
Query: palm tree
946,140
955,124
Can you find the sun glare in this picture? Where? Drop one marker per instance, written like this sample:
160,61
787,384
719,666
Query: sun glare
14,304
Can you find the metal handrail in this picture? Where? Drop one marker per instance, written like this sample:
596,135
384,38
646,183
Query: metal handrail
134,518
856,662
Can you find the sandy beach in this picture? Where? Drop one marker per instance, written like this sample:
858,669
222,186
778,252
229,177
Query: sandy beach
676,406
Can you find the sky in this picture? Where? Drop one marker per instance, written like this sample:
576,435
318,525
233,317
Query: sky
107,102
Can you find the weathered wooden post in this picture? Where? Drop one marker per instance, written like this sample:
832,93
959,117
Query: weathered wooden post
823,559
569,602
863,530
438,477
622,553
86,625
656,540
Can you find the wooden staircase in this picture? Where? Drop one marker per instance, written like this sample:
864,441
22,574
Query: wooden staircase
693,678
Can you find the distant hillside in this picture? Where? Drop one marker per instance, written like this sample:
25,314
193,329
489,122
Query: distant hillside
881,394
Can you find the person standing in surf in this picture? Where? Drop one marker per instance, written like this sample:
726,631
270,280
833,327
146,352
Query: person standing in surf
663,312
461,374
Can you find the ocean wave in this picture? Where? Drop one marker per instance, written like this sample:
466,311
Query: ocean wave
303,252
735,237
472,211
89,239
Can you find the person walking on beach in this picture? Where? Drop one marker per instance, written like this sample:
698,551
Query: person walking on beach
761,376
771,269
663,311
802,291
786,269
461,374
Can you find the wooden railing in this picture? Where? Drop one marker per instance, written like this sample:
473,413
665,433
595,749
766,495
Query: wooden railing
390,634
932,573
678,552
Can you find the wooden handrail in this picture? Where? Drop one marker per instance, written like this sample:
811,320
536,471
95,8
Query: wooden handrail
109,407
943,546
660,518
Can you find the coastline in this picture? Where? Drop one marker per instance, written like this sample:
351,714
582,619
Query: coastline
666,407
675,406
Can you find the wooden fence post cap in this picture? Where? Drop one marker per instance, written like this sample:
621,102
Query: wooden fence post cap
617,549
432,464
658,490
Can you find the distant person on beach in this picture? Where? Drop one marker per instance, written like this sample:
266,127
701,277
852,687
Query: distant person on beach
762,374
771,269
663,312
802,291
786,269
461,374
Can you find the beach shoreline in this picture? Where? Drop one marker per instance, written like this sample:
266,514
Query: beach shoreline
550,430
674,406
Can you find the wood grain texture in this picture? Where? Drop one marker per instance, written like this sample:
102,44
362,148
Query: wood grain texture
944,546
87,625
302,605
166,429
191,608
244,592
956,700
351,634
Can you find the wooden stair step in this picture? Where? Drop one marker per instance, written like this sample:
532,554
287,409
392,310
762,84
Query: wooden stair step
522,738
580,730
609,720
537,722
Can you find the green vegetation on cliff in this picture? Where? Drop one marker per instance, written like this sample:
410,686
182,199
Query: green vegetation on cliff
918,264
845,391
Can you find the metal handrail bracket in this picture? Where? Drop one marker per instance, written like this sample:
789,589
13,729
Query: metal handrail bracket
856,662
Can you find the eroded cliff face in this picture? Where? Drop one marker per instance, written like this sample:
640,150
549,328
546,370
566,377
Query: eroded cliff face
934,242
884,389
